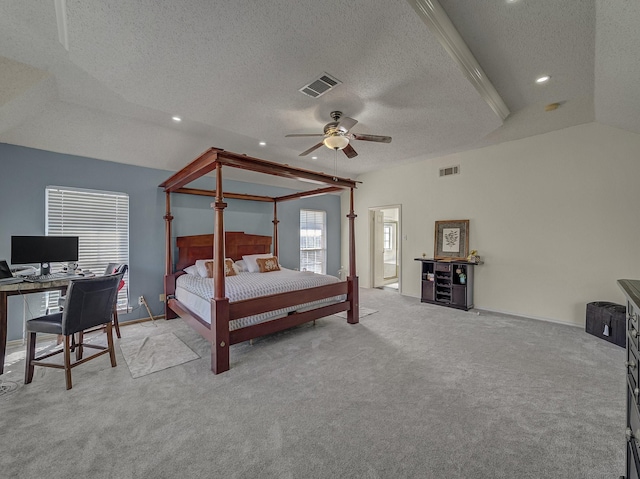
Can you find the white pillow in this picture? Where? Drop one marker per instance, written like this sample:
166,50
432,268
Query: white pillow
240,265
250,261
202,267
191,270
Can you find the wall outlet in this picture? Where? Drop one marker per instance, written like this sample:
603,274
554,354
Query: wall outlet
141,300
162,298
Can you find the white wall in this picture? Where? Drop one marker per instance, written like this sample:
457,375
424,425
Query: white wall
555,217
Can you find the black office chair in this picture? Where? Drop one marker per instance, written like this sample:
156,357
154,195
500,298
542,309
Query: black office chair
112,268
115,268
90,303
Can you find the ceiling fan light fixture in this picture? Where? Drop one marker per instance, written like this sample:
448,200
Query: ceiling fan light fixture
336,142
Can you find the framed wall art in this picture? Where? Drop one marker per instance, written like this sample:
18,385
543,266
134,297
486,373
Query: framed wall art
451,240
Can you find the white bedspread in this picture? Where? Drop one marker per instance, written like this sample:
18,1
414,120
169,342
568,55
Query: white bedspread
195,292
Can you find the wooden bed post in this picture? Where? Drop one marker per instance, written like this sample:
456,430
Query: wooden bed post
353,314
220,303
169,283
275,229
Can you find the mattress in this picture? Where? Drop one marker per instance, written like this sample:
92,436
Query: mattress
196,292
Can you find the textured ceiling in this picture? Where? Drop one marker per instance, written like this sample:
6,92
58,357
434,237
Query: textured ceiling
232,70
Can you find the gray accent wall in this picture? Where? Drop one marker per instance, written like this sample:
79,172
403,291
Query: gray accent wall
26,172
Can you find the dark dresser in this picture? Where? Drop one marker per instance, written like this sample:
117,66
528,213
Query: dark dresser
447,283
631,289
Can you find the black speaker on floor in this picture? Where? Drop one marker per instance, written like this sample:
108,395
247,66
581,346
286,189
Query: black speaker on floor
606,320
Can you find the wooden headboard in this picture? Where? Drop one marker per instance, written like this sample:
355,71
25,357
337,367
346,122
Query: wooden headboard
191,248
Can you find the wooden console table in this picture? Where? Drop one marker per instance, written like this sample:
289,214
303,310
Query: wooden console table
447,283
16,289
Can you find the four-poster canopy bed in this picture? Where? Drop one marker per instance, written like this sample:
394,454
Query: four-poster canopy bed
222,323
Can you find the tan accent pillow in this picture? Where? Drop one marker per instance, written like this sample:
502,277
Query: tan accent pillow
228,268
268,264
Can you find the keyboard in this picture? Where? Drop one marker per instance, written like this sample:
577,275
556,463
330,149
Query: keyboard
43,278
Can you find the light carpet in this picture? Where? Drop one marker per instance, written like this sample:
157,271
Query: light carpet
155,353
415,391
363,312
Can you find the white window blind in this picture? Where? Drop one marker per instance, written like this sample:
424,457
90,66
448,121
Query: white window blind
313,241
100,219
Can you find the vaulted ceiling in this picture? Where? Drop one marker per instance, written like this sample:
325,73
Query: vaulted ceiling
232,71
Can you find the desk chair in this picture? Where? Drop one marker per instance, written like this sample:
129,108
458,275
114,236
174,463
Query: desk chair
117,268
89,303
112,268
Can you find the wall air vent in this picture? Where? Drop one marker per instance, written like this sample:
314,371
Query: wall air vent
450,170
320,86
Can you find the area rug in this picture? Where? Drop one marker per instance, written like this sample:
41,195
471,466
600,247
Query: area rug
363,312
155,353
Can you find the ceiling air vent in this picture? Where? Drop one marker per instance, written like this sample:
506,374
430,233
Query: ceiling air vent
450,170
320,86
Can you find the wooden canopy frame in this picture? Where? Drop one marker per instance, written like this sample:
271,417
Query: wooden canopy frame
218,332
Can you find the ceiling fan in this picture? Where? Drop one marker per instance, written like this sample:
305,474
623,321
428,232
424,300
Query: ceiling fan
337,136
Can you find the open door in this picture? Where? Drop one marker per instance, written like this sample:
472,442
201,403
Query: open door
385,247
378,249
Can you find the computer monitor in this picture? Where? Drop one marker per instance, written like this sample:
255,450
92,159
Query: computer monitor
43,250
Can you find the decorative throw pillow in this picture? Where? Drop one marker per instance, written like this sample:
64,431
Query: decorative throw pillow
201,264
202,268
250,261
228,268
236,268
268,264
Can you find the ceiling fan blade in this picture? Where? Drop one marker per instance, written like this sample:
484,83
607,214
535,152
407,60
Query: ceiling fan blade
305,134
378,138
349,151
313,148
347,123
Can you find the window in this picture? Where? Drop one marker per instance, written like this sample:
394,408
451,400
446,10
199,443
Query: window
313,241
387,236
101,221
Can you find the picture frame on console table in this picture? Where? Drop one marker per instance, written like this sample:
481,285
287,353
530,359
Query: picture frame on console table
451,241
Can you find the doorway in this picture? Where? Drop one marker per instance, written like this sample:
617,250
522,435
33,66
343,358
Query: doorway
385,247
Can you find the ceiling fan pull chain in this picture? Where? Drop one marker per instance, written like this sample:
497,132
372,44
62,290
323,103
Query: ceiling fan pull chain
335,164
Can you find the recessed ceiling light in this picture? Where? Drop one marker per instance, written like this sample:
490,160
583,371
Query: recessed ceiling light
512,1
262,143
543,79
314,157
177,119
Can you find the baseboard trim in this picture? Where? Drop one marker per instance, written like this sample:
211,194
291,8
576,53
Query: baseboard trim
516,315
141,320
48,337
522,316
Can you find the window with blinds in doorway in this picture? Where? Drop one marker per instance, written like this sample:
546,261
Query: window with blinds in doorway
100,219
313,241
